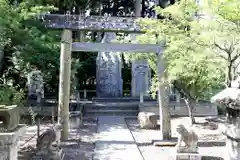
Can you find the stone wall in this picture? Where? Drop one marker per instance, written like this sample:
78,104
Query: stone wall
180,109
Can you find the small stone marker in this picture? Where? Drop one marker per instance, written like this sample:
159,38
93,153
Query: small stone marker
85,94
141,97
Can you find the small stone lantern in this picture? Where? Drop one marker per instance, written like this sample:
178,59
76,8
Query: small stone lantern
230,98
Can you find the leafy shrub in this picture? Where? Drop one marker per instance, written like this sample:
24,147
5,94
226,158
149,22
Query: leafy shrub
9,95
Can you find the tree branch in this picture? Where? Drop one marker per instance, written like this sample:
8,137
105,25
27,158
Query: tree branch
221,48
183,92
236,56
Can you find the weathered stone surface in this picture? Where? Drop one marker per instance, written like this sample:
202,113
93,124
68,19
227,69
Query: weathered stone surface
9,115
76,119
35,85
109,74
187,156
232,142
190,139
141,76
114,47
9,143
147,120
91,23
55,153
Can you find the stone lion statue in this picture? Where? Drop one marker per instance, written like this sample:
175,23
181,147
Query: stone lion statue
45,149
187,140
48,137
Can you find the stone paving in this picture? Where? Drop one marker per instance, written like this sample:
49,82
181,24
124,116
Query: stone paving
115,141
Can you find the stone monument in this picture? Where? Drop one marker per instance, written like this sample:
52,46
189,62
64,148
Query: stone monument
230,98
109,71
35,86
10,132
141,77
186,148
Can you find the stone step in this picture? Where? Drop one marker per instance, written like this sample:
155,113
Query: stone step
102,106
95,117
109,110
110,113
122,99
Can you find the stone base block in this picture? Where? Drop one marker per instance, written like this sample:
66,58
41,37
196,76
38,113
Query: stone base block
9,143
187,156
53,154
147,120
160,143
76,119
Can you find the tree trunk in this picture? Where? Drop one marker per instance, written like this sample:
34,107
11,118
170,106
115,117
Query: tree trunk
190,110
229,76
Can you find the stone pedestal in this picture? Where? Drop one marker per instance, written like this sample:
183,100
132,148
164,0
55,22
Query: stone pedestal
187,156
76,119
55,153
9,143
10,117
183,153
232,143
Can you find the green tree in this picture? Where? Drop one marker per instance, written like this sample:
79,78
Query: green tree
193,69
224,32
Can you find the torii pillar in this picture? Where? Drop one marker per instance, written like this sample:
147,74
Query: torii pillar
64,82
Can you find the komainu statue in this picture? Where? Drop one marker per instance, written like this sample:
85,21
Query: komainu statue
187,140
45,149
46,139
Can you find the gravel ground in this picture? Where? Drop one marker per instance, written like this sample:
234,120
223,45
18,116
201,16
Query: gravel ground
144,137
81,140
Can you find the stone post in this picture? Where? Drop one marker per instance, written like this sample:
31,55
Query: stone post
64,84
85,94
141,97
165,123
178,99
138,8
78,99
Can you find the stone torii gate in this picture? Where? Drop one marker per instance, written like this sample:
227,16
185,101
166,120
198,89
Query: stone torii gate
97,24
